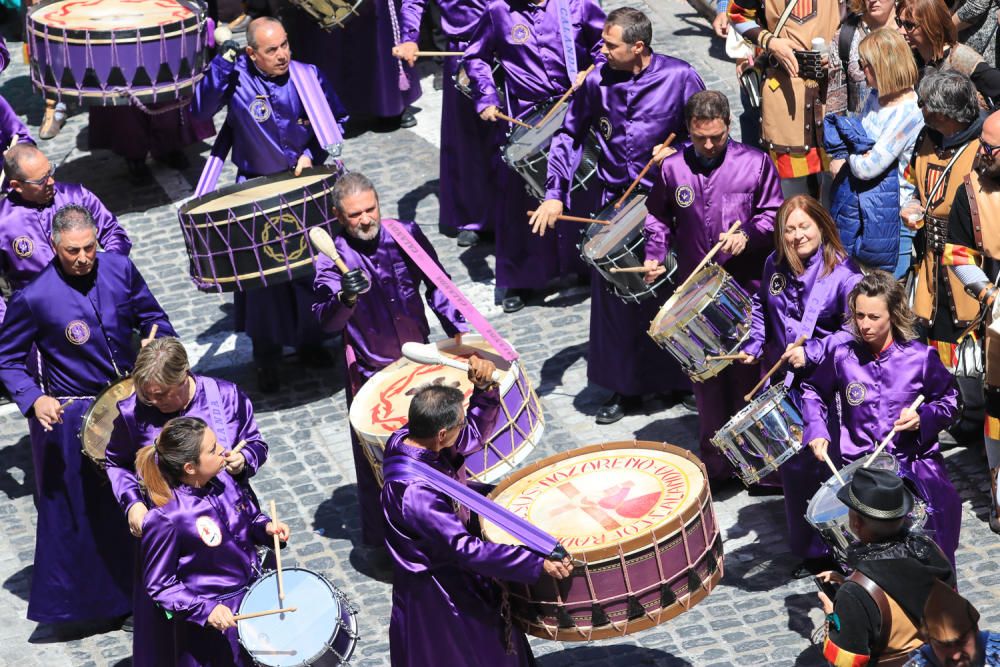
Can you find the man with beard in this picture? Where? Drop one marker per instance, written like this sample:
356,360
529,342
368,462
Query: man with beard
972,252
952,635
377,306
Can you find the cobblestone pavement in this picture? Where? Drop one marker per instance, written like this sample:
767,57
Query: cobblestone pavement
755,616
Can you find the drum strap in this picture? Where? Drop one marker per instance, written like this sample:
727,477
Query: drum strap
317,108
213,166
436,275
400,468
219,423
566,36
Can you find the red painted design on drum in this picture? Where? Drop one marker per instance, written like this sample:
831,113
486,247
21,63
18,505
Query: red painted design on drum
384,413
75,15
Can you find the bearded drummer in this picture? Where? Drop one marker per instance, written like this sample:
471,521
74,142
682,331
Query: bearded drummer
271,133
442,569
80,313
619,100
876,377
378,307
527,40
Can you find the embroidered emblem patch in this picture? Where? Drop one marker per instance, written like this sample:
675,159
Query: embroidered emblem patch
282,238
77,332
855,393
684,196
778,283
260,110
22,247
605,125
520,33
208,531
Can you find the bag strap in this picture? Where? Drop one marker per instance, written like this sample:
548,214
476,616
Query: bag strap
785,15
847,30
947,170
882,602
977,227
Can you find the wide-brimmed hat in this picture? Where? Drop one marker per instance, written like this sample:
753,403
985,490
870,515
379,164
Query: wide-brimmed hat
947,615
877,494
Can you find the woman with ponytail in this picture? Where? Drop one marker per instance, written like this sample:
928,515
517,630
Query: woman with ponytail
199,542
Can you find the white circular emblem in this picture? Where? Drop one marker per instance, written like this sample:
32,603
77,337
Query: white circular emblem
855,393
519,33
22,247
260,110
778,283
684,196
605,125
208,531
77,332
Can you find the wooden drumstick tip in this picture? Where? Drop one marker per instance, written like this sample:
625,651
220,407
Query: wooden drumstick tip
152,332
836,473
239,446
269,612
324,243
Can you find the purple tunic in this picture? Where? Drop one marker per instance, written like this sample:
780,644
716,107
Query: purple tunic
445,608
785,307
389,314
11,124
133,134
80,353
689,207
200,550
873,391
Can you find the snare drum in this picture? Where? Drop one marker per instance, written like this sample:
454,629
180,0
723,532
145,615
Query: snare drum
621,244
761,436
711,316
255,233
639,514
117,52
99,419
329,13
324,624
829,516
382,404
527,152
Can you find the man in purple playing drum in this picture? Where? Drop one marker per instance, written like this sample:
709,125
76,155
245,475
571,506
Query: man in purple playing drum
271,133
633,102
444,605
698,194
26,216
378,307
540,62
80,313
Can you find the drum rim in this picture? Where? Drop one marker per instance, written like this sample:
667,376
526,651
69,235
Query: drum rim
656,328
227,190
634,199
85,420
196,20
659,533
779,391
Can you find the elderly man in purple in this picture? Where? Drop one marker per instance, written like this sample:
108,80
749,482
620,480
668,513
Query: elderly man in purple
27,211
466,190
539,63
699,193
80,313
445,606
378,306
877,376
634,102
271,133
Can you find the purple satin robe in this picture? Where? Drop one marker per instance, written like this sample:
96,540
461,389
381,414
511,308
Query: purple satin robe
785,307
873,391
134,134
445,608
389,314
198,551
458,18
11,124
80,354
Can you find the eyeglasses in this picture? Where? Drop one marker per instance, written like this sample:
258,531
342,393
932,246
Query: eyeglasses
40,181
908,26
461,424
988,149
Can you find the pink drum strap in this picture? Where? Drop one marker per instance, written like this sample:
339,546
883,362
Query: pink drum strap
317,108
437,276
566,37
213,166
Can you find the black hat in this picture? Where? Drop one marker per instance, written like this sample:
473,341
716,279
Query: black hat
877,494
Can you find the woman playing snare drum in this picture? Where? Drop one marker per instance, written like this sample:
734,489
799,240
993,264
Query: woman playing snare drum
199,545
803,293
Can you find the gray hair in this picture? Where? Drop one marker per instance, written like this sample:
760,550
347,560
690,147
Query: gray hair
707,105
636,26
256,25
69,218
950,94
350,184
13,158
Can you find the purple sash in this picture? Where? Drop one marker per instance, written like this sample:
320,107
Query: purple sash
450,290
566,37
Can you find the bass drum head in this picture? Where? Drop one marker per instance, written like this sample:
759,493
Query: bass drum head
110,15
99,419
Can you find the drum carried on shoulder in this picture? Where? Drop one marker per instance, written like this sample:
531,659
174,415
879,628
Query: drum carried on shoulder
99,420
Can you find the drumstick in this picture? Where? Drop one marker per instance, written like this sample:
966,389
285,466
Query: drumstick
66,404
436,54
240,445
826,457
269,612
152,332
628,269
430,355
725,357
515,121
321,239
562,100
573,218
774,369
277,552
706,259
878,450
224,32
642,173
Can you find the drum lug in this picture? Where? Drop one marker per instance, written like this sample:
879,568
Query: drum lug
635,610
598,617
565,620
667,596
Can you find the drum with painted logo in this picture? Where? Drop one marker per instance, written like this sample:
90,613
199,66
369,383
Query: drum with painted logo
256,233
99,419
637,516
382,405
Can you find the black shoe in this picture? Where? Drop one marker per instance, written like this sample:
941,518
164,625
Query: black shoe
656,403
407,120
467,238
138,172
616,407
176,160
316,356
513,302
127,625
268,380
689,402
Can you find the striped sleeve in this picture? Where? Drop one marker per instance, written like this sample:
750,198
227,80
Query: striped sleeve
743,14
839,657
960,255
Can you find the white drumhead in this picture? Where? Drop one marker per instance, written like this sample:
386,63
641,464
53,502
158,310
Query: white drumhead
249,195
108,15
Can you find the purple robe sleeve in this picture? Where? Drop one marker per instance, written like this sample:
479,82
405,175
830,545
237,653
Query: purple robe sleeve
3,309
817,396
758,327
111,235
767,201
817,349
411,14
482,417
11,124
431,514
448,315
17,335
659,219
255,451
145,308
592,20
328,308
215,88
120,456
940,399
159,565
478,62
567,143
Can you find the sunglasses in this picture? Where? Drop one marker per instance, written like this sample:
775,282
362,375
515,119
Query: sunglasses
908,26
987,149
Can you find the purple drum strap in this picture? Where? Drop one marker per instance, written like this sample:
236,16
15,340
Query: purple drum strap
213,166
566,37
437,276
400,468
317,108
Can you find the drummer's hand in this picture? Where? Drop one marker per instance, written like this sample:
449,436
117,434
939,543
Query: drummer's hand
489,113
545,216
831,577
733,243
481,372
221,618
229,50
795,355
48,411
280,529
909,420
352,284
826,602
661,152
747,359
558,569
653,271
136,514
235,462
304,163
819,446
406,51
